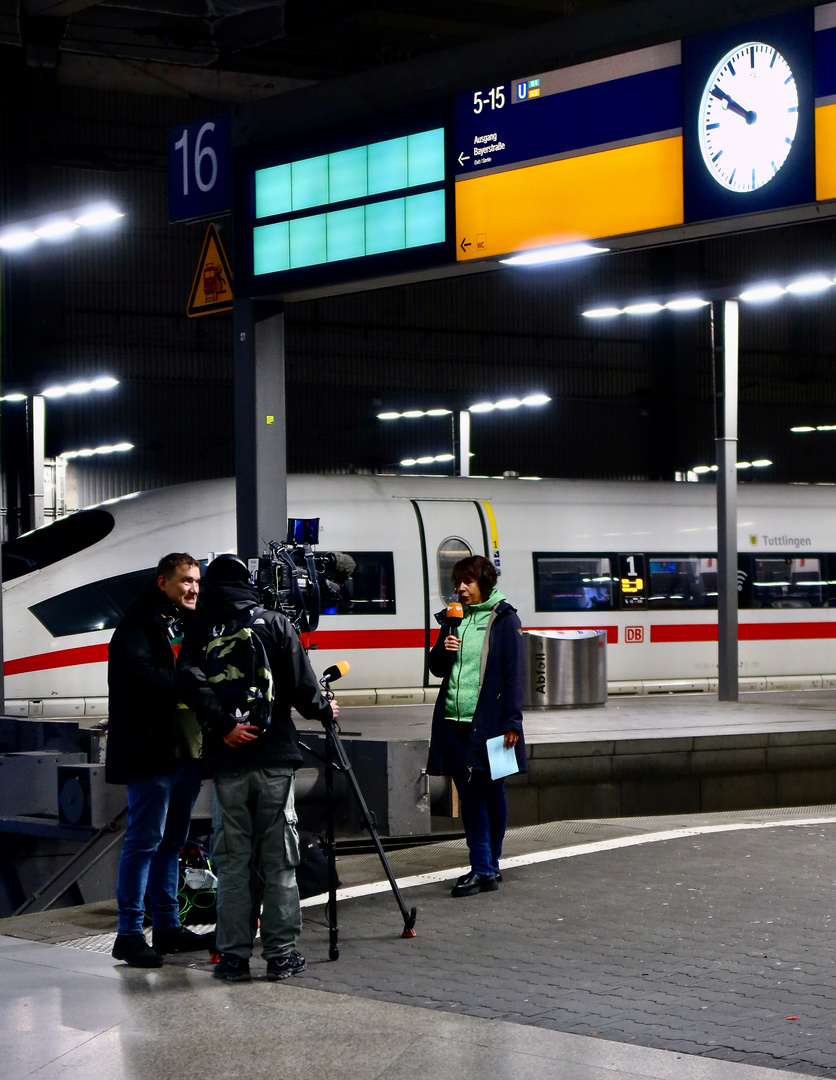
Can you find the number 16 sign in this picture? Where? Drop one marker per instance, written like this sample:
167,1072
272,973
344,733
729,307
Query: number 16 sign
198,170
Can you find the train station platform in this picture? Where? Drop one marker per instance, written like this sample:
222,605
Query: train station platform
686,948
694,946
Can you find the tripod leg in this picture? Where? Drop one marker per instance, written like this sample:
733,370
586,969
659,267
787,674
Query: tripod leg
344,765
331,907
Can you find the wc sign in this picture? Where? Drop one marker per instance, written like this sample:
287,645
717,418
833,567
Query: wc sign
633,635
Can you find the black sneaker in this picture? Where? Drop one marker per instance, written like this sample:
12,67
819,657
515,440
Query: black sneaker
135,951
232,969
181,939
282,967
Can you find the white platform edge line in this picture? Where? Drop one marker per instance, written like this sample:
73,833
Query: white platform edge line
553,854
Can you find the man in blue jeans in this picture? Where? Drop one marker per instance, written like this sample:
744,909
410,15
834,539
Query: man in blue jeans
154,748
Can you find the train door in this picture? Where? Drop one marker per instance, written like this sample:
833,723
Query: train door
449,530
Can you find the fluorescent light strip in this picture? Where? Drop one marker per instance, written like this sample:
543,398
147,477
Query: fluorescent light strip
561,253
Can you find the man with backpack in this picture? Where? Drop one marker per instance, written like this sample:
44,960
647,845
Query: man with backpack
241,671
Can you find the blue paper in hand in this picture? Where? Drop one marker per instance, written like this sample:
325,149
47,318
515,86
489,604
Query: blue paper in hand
503,762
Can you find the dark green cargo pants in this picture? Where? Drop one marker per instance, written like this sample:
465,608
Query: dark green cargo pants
255,852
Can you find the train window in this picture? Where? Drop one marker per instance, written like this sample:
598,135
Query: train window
572,582
787,582
57,541
450,551
97,606
682,581
371,587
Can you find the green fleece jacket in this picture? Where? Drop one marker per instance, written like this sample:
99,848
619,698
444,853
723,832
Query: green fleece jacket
463,687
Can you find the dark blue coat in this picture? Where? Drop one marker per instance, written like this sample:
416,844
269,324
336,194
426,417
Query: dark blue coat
499,705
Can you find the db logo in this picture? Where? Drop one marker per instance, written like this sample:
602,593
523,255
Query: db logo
634,634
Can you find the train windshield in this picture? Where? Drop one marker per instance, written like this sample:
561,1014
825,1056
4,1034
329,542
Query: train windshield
55,542
97,606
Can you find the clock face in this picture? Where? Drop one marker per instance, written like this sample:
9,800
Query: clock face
748,117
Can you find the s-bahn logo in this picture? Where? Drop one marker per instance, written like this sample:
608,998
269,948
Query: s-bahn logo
634,634
753,540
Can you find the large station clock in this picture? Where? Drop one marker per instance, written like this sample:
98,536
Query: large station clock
748,117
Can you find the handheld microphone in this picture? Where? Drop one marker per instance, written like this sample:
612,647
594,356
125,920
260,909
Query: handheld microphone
454,616
332,674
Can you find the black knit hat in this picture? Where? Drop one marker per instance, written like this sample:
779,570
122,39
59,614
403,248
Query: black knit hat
226,570
226,584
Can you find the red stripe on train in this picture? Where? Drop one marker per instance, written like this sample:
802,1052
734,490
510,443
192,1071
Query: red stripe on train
745,632
326,639
87,654
414,639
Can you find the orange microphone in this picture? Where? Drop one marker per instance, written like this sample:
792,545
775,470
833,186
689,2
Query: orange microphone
335,671
454,616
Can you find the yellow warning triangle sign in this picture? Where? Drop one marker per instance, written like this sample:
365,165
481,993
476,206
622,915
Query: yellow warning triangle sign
212,286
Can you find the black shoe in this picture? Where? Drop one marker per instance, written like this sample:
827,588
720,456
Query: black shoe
181,939
135,951
497,877
232,969
474,883
282,967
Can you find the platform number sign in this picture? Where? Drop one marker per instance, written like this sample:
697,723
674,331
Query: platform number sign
199,170
632,578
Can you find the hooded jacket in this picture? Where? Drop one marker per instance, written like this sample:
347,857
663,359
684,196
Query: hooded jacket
227,595
143,723
499,702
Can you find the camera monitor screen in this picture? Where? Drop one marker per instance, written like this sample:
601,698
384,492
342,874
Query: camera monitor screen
303,530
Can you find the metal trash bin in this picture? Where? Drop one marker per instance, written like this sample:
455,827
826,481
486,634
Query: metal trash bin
565,669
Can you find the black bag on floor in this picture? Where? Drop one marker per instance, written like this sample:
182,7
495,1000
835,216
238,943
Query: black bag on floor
312,871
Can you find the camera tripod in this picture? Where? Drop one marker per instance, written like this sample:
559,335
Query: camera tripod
336,761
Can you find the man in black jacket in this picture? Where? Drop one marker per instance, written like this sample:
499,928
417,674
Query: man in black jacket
153,747
255,845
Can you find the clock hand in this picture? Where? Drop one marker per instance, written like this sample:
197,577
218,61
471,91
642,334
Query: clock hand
729,103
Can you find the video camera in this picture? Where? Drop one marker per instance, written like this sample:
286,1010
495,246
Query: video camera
302,583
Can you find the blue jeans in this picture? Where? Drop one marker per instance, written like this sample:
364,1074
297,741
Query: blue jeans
159,811
483,804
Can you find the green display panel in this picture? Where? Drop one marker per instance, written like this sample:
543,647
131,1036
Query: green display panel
391,225
364,177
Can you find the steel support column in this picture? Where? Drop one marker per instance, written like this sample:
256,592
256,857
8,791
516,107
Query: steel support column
724,330
260,426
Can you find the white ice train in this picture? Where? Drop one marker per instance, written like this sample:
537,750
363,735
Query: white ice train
634,558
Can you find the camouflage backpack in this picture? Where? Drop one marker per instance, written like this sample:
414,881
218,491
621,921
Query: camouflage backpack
238,670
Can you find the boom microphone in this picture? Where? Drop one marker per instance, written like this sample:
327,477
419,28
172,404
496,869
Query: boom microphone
454,616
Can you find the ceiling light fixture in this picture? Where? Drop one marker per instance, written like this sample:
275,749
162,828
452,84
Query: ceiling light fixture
561,253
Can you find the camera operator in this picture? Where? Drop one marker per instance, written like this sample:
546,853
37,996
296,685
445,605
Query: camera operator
255,845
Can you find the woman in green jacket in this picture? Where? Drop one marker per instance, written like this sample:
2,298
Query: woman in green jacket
479,699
